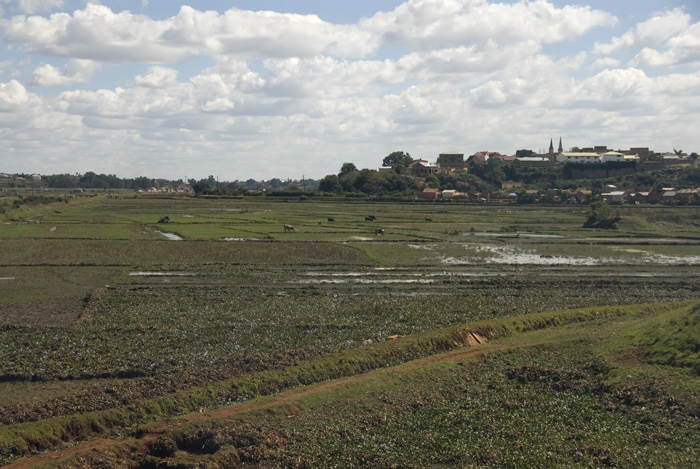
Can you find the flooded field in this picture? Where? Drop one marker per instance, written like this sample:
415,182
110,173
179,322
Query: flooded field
105,297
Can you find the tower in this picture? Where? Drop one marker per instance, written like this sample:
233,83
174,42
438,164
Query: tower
561,149
551,146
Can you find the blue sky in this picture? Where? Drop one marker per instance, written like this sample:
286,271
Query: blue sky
263,89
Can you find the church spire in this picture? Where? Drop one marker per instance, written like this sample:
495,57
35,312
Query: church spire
561,149
551,146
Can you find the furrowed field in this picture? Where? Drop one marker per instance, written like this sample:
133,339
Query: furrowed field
114,318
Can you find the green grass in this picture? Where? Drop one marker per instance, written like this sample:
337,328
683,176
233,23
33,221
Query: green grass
539,396
211,305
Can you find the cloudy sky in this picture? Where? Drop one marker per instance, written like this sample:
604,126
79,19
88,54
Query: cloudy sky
291,88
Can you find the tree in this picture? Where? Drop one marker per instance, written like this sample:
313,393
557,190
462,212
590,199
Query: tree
330,183
201,187
601,216
347,168
524,153
397,159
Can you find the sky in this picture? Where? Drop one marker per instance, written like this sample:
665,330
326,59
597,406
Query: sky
295,88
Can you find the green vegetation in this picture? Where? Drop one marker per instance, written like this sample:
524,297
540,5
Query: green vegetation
601,216
108,326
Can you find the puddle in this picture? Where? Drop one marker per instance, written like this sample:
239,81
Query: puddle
421,247
171,236
510,256
8,278
505,255
671,260
340,274
162,274
514,235
239,239
365,281
396,273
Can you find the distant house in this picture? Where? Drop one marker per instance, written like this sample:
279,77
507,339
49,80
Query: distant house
430,193
581,195
482,157
448,194
638,197
612,156
504,158
669,196
510,184
616,197
689,196
534,162
422,168
450,161
478,158
578,157
643,153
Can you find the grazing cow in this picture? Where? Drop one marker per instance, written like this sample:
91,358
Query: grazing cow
370,218
289,228
331,219
428,219
379,231
319,223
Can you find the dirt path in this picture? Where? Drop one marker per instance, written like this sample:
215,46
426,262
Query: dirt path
277,400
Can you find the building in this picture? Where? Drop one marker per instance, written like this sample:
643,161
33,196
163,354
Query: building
422,168
450,161
534,162
616,197
551,147
612,156
430,193
642,152
578,157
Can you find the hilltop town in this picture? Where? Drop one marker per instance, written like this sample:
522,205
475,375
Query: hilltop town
579,176
594,168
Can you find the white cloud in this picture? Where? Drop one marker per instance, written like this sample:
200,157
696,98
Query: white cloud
75,71
290,90
606,62
97,33
12,95
681,49
666,39
157,77
438,24
651,33
31,6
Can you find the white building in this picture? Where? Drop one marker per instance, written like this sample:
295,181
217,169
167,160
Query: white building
578,157
609,156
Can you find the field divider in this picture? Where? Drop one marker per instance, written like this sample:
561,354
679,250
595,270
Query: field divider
28,438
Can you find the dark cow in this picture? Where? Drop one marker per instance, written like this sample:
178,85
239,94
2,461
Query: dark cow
379,231
370,218
331,219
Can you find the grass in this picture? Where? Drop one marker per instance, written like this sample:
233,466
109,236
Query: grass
537,396
119,314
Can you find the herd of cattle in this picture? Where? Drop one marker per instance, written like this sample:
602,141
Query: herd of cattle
369,218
